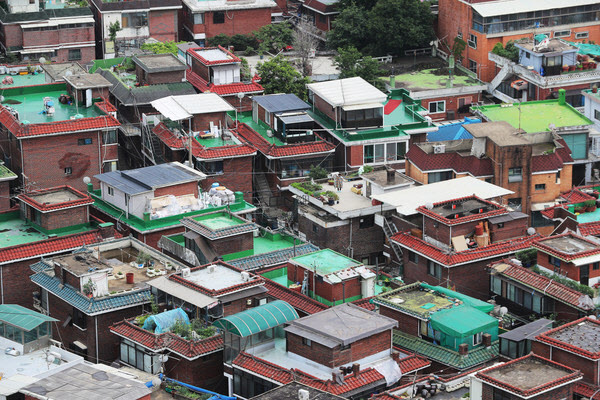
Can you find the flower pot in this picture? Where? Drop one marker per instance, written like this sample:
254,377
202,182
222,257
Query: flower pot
331,202
571,68
565,68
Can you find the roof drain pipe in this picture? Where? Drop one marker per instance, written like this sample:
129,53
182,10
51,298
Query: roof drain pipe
216,396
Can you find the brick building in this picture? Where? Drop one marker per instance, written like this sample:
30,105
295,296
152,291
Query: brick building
218,70
524,292
320,13
47,29
573,344
71,138
536,167
139,20
201,121
6,177
94,287
528,377
483,24
450,329
204,20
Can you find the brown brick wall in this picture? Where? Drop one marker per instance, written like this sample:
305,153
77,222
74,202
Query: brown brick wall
163,25
561,393
237,176
589,368
201,122
236,22
233,244
324,107
64,218
178,190
406,323
205,372
4,196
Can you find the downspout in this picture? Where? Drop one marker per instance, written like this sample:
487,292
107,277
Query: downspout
96,323
350,252
2,283
99,154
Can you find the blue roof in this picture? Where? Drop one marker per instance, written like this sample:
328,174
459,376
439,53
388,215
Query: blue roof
282,102
145,179
454,131
273,257
22,317
93,305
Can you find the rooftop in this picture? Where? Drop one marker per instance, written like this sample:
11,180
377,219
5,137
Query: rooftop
432,79
177,108
504,7
58,71
55,198
528,331
462,210
534,116
340,325
416,300
218,224
83,381
258,319
281,102
87,81
554,45
325,262
452,130
22,317
348,91
501,132
6,174
22,80
217,277
290,391
581,337
153,63
28,102
224,5
387,178
529,375
570,247
213,55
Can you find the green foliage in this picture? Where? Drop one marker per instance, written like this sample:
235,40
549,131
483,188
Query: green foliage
89,287
113,28
352,63
142,257
332,195
186,393
380,27
239,42
317,172
274,37
527,257
584,289
279,76
307,187
245,74
219,40
153,305
510,51
367,169
162,47
458,47
184,330
139,321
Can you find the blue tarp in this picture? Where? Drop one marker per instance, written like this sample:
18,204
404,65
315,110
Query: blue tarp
161,323
454,131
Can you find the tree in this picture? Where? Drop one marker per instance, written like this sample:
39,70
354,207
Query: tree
279,76
274,37
305,42
396,25
113,28
349,28
458,47
245,73
510,51
352,63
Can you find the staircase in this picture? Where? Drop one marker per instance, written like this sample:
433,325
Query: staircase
262,190
156,149
389,229
502,74
151,147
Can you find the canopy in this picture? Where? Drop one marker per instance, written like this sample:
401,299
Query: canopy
462,321
161,323
587,48
22,317
475,303
258,319
177,108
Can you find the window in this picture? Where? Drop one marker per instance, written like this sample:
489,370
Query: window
597,115
109,166
374,153
459,34
379,153
366,222
472,66
79,318
515,203
554,261
322,19
315,228
477,338
134,20
68,171
83,142
413,257
495,285
437,106
434,269
515,174
211,168
528,55
472,42
139,358
306,342
109,137
31,1
110,191
596,266
540,186
500,225
553,61
558,34
198,18
74,54
582,35
500,395
439,176
219,17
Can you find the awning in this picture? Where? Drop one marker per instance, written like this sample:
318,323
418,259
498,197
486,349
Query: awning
169,108
258,319
296,119
253,291
181,292
22,317
542,206
362,106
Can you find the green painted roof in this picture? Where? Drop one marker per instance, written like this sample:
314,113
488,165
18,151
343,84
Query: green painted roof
427,79
22,317
6,173
443,355
326,261
534,116
258,319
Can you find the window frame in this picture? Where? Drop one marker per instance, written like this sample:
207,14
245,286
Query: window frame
514,177
85,141
434,269
413,257
582,35
472,42
436,103
110,191
68,170
561,34
76,55
540,187
218,21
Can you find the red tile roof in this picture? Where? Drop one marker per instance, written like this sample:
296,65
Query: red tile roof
571,376
365,303
288,150
412,363
297,300
57,127
82,200
222,90
590,228
553,161
497,210
498,249
231,58
547,338
167,341
48,246
540,245
106,106
585,389
450,160
573,196
178,143
549,287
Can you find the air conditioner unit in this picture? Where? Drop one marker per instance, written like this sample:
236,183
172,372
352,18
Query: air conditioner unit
245,276
439,148
185,272
211,269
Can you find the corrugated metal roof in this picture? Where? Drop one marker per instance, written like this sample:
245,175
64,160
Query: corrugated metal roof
347,91
282,102
258,319
22,317
181,292
505,7
181,107
296,119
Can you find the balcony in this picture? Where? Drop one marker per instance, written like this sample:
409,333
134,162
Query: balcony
545,82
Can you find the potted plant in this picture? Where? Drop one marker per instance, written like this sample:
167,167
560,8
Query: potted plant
332,197
579,67
565,68
590,206
595,89
119,275
142,258
89,287
571,68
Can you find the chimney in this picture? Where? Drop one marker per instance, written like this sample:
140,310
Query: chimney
463,349
487,340
391,175
355,369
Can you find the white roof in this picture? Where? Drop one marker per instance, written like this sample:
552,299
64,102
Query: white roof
349,91
504,7
181,292
185,106
216,5
408,200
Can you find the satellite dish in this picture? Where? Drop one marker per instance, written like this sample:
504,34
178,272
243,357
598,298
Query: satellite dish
68,73
163,358
42,60
531,231
429,206
156,381
86,180
240,95
50,358
503,311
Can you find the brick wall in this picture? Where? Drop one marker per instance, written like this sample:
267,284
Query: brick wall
236,22
569,269
16,287
237,176
64,218
201,122
332,292
233,244
205,372
451,105
163,25
406,323
200,69
164,77
178,190
4,196
324,107
512,229
87,54
561,393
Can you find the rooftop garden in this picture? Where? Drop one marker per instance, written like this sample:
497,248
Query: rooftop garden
194,329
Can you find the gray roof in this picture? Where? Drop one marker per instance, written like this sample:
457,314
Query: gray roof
158,62
145,179
528,331
341,325
511,216
282,102
296,118
58,71
290,391
85,382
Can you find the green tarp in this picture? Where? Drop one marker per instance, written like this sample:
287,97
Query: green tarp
258,319
587,48
463,321
475,303
22,317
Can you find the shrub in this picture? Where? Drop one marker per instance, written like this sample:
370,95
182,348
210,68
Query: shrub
317,172
584,289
